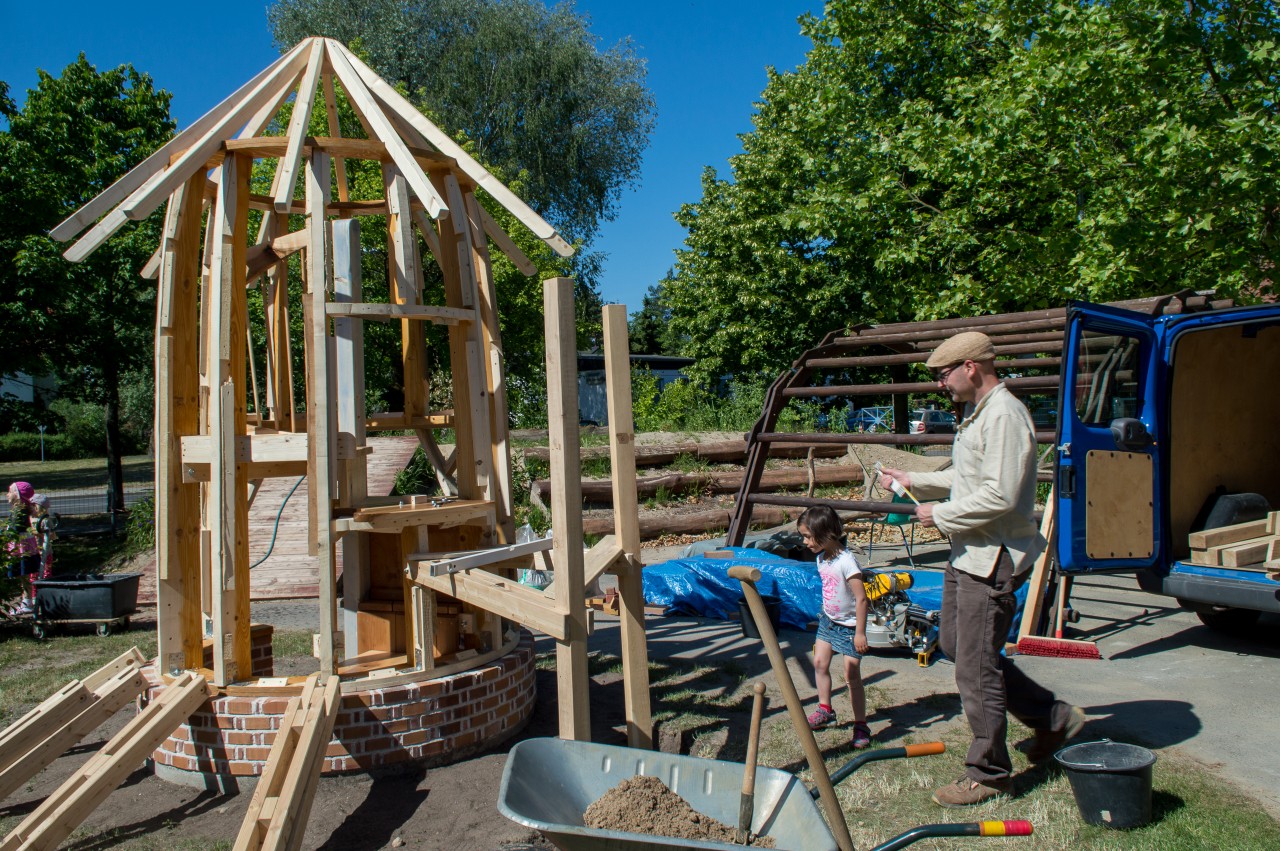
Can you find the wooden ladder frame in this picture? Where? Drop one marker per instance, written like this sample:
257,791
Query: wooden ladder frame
63,811
281,803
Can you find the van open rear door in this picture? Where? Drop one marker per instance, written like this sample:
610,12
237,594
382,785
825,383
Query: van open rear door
1109,470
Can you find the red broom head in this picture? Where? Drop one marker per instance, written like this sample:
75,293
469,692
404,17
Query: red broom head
1060,648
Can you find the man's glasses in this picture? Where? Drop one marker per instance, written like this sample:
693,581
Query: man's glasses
943,374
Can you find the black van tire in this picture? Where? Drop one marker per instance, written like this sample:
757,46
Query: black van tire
1225,618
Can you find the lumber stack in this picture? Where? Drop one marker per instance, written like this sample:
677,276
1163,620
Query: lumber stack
1254,545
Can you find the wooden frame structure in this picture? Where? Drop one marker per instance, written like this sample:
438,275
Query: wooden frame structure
410,567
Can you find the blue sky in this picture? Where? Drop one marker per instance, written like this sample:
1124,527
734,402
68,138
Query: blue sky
706,67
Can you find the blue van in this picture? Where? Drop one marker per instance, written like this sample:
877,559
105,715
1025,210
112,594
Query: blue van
1170,425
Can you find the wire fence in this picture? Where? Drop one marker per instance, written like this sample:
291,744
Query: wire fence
92,500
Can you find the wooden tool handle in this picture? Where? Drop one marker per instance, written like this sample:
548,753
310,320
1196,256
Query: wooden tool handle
753,741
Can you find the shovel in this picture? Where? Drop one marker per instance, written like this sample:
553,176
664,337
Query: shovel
746,808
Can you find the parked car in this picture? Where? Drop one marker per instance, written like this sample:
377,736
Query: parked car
933,422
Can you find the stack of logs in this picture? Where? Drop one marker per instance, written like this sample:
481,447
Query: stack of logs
1251,546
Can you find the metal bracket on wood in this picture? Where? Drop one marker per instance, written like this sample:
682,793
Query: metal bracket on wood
443,564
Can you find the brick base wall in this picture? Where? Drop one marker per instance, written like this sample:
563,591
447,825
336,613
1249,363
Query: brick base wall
432,722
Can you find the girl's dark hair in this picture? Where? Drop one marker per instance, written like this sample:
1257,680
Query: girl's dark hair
823,524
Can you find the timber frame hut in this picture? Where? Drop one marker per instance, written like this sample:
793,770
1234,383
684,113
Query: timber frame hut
427,658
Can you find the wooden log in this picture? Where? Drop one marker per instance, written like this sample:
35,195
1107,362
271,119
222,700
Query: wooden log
729,452
601,491
688,524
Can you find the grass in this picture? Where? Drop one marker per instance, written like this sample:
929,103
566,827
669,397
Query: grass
33,670
80,473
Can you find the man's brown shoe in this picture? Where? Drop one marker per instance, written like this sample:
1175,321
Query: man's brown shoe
964,793
1048,742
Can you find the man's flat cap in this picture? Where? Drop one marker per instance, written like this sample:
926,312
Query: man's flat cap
967,345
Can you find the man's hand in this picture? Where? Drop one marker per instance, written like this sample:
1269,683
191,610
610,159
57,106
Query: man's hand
889,475
924,514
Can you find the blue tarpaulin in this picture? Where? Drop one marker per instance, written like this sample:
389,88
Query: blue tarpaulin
702,587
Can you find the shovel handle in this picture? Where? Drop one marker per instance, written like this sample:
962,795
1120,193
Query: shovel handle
753,740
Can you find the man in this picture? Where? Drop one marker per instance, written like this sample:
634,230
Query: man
991,486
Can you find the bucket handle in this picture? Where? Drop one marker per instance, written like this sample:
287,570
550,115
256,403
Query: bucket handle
1087,764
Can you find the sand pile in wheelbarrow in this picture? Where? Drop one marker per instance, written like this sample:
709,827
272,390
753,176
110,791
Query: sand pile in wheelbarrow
647,805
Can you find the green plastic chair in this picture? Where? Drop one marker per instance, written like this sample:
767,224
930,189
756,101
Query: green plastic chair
901,521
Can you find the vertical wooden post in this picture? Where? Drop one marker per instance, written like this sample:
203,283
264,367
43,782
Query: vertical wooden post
322,436
177,414
275,314
566,506
348,368
239,328
626,524
404,268
227,505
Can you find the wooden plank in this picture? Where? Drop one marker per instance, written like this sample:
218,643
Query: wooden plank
257,817
566,506
1039,579
249,448
57,732
54,711
298,124
299,790
393,518
1224,535
504,597
60,813
323,434
359,94
439,564
1247,553
601,558
382,312
154,165
177,378
399,105
335,129
626,516
506,244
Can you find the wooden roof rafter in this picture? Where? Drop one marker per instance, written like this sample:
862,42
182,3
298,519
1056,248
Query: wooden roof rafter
396,130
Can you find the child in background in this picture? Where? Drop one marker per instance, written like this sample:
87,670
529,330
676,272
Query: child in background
23,556
842,625
42,523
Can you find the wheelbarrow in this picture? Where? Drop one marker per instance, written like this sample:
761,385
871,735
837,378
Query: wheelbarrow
548,784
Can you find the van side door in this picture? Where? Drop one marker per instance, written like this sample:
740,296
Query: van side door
1108,478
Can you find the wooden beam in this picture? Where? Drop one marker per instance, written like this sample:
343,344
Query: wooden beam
441,564
386,519
401,106
383,312
321,428
626,518
155,165
335,129
60,813
359,94
298,124
566,506
177,411
506,244
504,597
601,558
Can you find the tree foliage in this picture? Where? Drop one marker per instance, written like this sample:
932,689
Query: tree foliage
935,158
75,136
524,84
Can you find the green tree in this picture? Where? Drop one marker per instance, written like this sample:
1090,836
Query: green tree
937,158
524,84
650,327
93,321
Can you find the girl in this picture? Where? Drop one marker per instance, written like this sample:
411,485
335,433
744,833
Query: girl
22,554
842,625
43,524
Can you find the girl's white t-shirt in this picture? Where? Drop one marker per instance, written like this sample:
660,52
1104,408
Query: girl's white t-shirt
838,601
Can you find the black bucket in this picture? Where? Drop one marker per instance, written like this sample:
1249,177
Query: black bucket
1111,782
772,606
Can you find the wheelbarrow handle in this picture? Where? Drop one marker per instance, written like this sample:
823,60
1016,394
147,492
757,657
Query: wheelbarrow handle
921,749
1016,827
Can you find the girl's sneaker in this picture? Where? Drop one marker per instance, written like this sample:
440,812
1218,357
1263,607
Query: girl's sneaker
861,736
820,718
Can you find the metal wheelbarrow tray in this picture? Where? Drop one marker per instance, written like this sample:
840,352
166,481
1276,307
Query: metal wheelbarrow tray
549,783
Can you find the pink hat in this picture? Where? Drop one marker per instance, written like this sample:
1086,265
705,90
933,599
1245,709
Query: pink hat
22,490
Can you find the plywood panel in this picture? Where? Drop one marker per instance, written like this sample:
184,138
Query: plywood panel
1118,491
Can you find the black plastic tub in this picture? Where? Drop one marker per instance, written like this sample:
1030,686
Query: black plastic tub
1111,782
93,597
772,607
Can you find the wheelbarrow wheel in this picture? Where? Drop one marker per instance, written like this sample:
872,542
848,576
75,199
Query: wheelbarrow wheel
37,630
104,629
